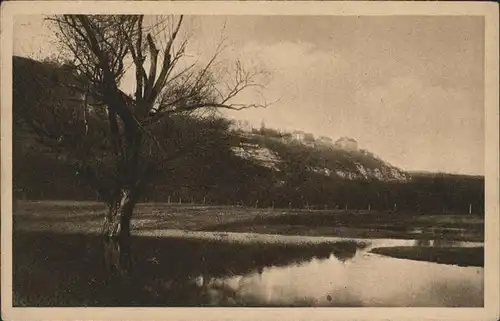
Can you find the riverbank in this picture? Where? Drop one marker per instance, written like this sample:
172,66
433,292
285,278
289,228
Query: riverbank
461,256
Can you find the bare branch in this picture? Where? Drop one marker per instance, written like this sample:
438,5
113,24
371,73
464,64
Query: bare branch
223,106
174,35
140,73
165,66
102,47
153,51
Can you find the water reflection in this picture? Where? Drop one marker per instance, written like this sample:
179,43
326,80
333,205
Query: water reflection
322,277
259,284
182,272
367,281
345,253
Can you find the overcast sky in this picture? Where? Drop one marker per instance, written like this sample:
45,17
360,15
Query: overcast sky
409,89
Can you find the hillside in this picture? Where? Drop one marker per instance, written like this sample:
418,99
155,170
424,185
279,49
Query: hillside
234,165
279,151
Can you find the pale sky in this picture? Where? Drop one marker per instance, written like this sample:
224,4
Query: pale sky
410,89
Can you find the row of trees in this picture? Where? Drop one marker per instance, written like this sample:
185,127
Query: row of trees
421,195
212,174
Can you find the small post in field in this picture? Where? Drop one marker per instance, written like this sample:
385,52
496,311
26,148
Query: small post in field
470,208
180,200
204,199
168,200
369,207
256,203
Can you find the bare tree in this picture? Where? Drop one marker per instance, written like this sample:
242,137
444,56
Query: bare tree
102,48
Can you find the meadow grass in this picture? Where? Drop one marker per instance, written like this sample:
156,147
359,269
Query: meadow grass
86,217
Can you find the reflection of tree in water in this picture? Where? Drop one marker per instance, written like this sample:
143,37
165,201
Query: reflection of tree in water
166,270
323,255
345,251
192,273
260,270
224,291
218,291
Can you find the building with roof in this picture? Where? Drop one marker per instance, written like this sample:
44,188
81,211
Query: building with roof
347,143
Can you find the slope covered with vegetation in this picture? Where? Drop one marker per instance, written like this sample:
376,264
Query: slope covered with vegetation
210,160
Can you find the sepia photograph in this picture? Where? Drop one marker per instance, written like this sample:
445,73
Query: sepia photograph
249,159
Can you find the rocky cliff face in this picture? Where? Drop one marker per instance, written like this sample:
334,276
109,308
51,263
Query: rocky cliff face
329,161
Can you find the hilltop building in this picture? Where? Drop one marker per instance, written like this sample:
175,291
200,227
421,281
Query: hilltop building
241,125
299,135
324,140
347,143
308,137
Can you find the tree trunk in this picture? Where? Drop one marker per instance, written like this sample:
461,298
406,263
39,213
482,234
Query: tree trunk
116,234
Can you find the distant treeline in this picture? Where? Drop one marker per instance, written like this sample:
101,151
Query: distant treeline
443,193
242,183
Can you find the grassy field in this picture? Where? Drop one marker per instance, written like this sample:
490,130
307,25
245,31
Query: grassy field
86,217
363,225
